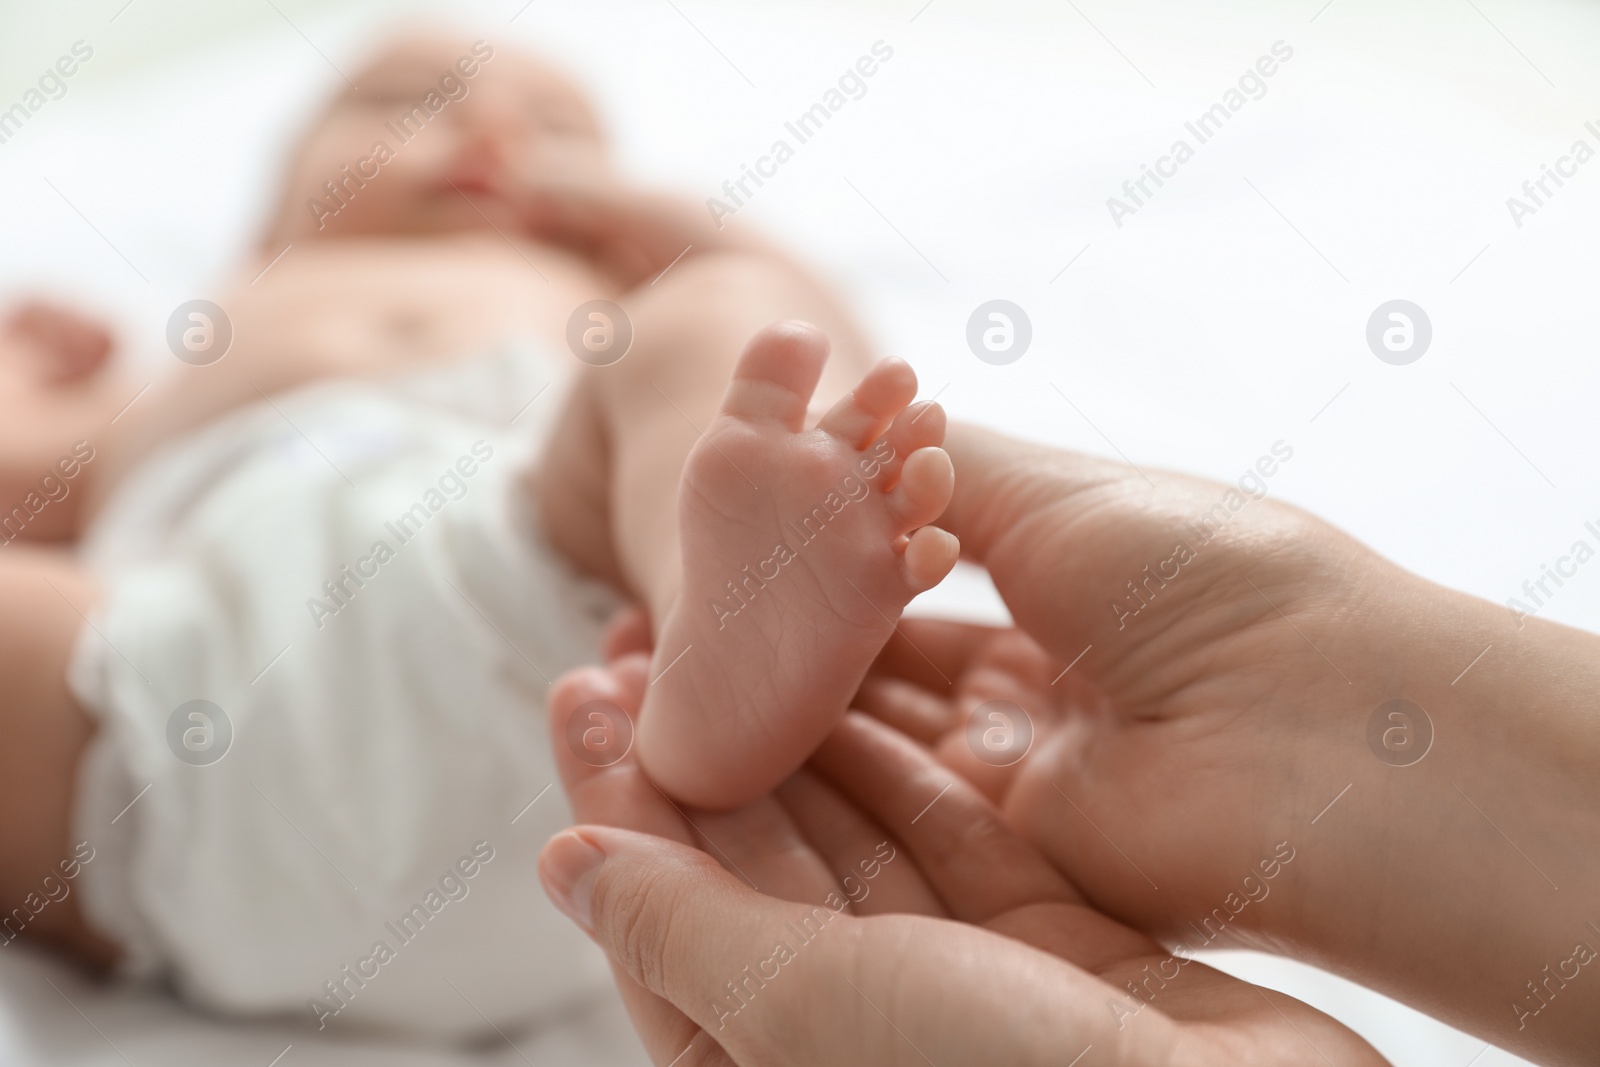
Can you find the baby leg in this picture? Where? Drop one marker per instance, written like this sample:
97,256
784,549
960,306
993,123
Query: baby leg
609,488
757,493
42,592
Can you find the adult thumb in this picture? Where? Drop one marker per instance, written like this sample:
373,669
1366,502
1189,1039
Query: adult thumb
682,927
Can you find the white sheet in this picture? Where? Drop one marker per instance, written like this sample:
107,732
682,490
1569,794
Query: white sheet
1226,314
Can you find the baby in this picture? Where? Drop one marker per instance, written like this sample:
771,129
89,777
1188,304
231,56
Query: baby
283,692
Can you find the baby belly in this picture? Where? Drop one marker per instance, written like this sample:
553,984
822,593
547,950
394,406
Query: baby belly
357,310
377,317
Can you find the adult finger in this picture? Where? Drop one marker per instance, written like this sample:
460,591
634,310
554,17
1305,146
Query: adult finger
777,983
977,864
757,843
908,707
869,867
1003,482
626,632
591,716
688,931
763,847
1005,706
592,711
931,653
982,870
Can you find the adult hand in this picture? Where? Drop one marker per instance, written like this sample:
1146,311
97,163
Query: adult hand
874,911
1215,758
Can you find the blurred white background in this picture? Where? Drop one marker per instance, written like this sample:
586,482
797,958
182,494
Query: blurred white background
1228,313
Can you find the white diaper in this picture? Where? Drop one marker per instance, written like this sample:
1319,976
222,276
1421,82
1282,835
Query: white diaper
351,575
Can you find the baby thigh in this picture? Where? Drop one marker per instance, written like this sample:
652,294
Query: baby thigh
44,594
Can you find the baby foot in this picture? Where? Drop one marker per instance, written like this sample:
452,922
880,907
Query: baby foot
800,549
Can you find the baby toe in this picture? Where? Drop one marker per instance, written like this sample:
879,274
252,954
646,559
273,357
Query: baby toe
929,556
927,480
867,410
775,377
918,426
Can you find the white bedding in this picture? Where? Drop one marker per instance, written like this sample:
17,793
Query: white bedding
1228,312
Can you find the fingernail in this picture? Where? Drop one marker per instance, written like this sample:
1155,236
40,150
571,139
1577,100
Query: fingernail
568,869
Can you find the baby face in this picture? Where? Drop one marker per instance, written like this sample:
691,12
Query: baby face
440,134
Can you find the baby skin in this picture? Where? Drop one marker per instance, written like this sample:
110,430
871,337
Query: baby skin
800,546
